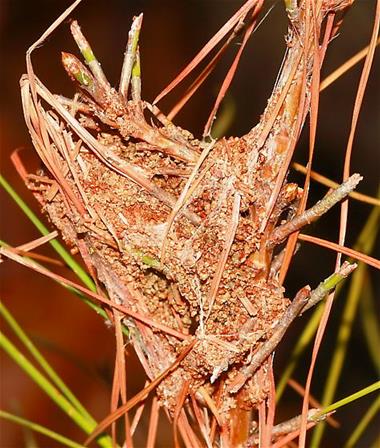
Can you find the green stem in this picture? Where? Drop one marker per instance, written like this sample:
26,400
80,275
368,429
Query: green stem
41,429
84,423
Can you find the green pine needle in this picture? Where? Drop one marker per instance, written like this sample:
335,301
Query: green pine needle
39,428
24,338
345,401
86,424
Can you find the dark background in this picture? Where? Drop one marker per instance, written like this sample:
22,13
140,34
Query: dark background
73,338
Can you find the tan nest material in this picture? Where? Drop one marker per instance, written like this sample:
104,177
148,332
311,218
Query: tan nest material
184,233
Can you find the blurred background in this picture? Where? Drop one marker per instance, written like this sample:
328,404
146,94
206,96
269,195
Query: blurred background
73,338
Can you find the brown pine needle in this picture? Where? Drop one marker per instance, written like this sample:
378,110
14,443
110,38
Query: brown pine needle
232,70
226,250
202,420
203,75
226,28
212,406
121,370
138,414
188,435
146,320
270,404
179,408
138,397
332,77
187,191
331,184
39,257
313,401
153,423
343,217
18,164
342,249
217,398
25,249
37,242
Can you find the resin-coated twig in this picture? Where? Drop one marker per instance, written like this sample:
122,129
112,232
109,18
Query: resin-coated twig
267,348
115,110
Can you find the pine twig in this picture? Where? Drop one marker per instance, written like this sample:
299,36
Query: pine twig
302,302
283,428
315,212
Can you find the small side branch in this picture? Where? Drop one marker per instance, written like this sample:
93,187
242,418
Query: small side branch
283,428
302,302
136,78
88,54
325,287
130,56
315,212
